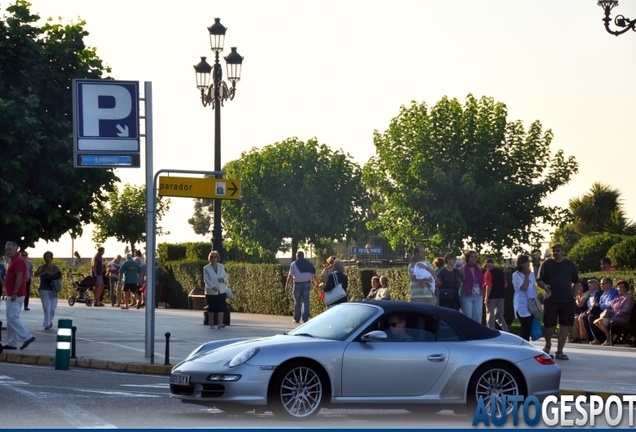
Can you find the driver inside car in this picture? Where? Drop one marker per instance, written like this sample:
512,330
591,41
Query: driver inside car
397,329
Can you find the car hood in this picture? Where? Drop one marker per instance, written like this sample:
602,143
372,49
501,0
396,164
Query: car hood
279,342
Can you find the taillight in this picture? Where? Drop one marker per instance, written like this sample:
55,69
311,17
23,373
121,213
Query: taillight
544,359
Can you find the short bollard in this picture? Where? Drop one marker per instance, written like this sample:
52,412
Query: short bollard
73,330
167,356
63,350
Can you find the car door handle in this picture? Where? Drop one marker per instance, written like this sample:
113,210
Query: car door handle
438,358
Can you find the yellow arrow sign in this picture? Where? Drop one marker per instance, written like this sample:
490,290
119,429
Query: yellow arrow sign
200,187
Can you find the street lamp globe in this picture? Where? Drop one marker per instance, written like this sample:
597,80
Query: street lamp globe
203,71
234,62
217,36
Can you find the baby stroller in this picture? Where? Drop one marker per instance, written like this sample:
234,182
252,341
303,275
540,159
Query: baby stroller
83,289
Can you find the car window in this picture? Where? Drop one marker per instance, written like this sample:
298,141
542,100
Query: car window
446,333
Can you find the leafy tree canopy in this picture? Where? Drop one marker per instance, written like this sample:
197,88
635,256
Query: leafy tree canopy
124,217
599,211
290,189
459,176
41,195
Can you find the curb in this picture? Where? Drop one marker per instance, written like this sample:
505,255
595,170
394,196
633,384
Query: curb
40,360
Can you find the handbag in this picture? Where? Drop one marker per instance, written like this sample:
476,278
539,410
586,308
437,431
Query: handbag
336,293
228,293
57,285
534,306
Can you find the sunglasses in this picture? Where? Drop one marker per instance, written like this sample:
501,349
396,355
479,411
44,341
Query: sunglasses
395,323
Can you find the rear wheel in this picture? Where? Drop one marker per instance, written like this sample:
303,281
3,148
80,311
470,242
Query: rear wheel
89,302
491,382
297,391
71,301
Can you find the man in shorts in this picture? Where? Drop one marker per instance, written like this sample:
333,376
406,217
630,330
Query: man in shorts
129,271
558,277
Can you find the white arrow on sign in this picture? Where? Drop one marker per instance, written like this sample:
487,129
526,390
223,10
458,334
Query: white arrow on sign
123,131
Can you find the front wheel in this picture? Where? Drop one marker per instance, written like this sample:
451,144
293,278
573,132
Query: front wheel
89,302
491,382
297,391
71,301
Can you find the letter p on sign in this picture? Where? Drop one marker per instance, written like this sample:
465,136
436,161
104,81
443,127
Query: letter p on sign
106,103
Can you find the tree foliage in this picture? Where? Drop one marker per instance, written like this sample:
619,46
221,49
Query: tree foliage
566,236
599,211
124,217
464,176
41,195
588,252
623,254
292,189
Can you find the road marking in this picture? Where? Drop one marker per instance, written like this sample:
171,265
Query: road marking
71,413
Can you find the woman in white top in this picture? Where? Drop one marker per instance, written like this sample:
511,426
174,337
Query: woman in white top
215,278
525,287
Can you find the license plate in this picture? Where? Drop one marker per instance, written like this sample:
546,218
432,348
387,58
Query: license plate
180,379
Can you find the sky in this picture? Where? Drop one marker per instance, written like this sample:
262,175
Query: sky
338,70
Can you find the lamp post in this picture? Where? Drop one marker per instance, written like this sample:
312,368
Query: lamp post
214,94
620,21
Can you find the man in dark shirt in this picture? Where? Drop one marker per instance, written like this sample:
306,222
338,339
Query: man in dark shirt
557,276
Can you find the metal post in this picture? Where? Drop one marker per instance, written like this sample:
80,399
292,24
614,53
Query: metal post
217,234
63,349
73,330
167,357
150,229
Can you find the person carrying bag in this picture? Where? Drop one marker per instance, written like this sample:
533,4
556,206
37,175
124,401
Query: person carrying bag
335,291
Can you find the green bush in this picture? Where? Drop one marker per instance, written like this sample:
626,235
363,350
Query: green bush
588,252
198,251
171,252
623,254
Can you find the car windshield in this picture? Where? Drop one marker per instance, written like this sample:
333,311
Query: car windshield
336,323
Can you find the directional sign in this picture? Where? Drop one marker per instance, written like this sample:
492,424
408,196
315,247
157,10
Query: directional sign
200,187
373,250
106,122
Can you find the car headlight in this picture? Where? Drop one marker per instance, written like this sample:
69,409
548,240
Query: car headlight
243,356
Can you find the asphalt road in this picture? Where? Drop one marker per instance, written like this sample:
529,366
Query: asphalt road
33,397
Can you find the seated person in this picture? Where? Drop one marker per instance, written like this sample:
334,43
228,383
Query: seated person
619,311
397,329
375,286
581,299
384,293
596,336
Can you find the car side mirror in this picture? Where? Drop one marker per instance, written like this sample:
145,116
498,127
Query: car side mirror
375,335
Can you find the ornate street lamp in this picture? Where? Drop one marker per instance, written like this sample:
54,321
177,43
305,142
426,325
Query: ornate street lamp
620,21
214,92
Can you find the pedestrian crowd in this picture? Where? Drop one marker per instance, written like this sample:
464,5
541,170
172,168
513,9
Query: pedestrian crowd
16,277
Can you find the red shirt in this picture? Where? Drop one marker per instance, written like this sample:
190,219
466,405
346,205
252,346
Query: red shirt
17,265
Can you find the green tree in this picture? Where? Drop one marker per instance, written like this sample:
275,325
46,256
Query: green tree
124,216
41,195
456,176
296,190
599,211
588,252
566,236
623,254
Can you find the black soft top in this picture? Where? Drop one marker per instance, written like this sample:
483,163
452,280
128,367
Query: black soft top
466,328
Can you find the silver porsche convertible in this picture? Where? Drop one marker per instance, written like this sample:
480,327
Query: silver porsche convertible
367,354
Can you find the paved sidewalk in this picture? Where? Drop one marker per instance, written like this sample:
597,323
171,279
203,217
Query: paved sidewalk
114,339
